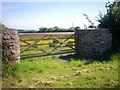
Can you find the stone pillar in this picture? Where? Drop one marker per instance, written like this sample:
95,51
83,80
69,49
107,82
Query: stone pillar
0,60
92,42
10,47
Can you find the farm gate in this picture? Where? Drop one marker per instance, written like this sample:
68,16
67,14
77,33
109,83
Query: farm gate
44,44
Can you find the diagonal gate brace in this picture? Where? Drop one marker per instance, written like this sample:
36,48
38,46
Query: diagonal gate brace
30,45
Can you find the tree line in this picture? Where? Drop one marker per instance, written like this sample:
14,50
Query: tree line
45,29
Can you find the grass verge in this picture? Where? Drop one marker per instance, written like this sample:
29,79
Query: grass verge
54,72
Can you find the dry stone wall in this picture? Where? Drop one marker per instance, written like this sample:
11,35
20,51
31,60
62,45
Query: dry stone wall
0,46
92,42
10,46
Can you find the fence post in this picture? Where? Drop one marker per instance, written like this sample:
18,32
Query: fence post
10,47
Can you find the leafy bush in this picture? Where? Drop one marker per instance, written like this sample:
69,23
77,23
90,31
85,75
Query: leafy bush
2,27
111,20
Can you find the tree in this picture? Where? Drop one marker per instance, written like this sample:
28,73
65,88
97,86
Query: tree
71,29
56,28
2,27
43,29
111,20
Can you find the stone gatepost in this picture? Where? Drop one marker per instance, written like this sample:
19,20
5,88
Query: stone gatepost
92,42
10,46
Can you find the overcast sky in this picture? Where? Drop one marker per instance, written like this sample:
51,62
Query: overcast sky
32,15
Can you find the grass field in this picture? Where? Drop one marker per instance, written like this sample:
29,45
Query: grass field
62,72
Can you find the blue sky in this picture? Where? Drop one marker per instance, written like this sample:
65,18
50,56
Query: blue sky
32,15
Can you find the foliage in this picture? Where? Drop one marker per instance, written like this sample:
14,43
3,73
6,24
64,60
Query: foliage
2,27
26,31
8,70
92,24
56,29
54,72
45,29
111,20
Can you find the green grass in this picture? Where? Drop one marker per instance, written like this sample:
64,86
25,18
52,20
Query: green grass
53,72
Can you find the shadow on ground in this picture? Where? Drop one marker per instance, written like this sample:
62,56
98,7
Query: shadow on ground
104,57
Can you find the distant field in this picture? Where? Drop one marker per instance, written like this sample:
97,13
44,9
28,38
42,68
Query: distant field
56,72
